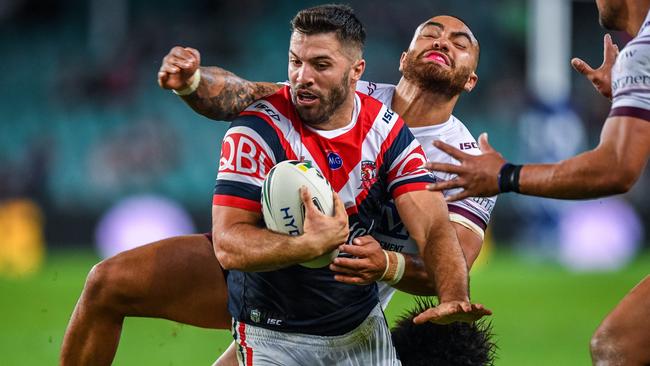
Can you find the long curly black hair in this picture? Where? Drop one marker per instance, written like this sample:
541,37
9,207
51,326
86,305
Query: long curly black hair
456,344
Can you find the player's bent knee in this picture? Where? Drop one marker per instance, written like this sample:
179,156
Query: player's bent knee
102,288
606,345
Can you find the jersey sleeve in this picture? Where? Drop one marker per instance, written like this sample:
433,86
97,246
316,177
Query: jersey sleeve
249,149
631,81
405,160
473,213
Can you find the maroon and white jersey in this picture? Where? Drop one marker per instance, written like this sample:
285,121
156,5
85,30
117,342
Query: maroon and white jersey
473,213
631,77
372,159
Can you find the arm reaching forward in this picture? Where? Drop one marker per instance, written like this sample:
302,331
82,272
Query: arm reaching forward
210,91
427,220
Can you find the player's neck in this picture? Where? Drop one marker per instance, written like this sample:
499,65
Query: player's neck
419,107
637,17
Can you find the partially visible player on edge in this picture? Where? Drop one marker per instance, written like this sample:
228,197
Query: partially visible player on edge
284,313
111,292
611,168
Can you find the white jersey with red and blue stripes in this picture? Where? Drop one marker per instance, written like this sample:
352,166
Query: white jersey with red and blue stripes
631,77
474,212
371,160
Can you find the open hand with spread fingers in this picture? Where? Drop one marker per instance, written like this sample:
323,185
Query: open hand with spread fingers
601,77
452,311
476,174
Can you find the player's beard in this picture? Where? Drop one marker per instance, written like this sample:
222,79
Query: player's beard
612,15
432,77
329,102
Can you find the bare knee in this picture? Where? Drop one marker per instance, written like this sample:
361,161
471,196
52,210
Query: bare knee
608,345
599,347
103,289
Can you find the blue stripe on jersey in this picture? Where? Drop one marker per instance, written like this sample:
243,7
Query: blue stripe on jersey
401,142
238,189
264,129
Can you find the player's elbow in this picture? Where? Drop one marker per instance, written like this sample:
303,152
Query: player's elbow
622,181
227,259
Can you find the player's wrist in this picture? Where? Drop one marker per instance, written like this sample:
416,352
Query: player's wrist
195,80
508,178
395,265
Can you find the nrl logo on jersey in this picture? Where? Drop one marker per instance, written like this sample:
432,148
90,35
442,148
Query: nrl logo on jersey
256,316
368,174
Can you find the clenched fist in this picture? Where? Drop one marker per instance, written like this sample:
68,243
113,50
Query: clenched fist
178,68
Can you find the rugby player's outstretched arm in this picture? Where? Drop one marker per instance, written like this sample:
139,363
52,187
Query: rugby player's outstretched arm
241,244
213,92
427,220
611,168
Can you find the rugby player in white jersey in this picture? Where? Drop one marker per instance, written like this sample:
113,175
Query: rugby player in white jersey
612,167
443,48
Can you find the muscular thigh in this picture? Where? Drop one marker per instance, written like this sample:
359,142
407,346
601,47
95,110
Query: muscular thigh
177,278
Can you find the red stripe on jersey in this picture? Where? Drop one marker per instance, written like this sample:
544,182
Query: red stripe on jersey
346,145
410,187
291,155
351,210
412,163
236,202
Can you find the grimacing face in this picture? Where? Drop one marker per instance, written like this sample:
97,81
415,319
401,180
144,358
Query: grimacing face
442,57
320,75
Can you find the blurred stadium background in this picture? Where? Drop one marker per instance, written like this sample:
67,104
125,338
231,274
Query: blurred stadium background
95,158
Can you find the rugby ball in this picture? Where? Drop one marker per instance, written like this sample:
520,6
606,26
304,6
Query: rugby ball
282,207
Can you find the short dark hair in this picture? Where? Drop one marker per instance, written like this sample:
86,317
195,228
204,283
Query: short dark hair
336,18
456,344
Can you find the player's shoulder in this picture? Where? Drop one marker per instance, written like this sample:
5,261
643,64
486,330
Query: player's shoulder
274,109
380,91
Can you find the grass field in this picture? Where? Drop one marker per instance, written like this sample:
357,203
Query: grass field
543,314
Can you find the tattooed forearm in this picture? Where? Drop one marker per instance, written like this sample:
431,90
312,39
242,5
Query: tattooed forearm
222,95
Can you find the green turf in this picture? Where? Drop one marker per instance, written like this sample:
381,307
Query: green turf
543,314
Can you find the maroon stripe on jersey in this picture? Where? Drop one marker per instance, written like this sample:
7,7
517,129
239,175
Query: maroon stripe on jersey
630,112
468,215
236,202
291,155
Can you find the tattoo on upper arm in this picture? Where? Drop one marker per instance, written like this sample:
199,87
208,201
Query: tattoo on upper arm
224,95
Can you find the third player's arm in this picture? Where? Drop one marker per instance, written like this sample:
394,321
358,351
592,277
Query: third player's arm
611,168
427,220
222,95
